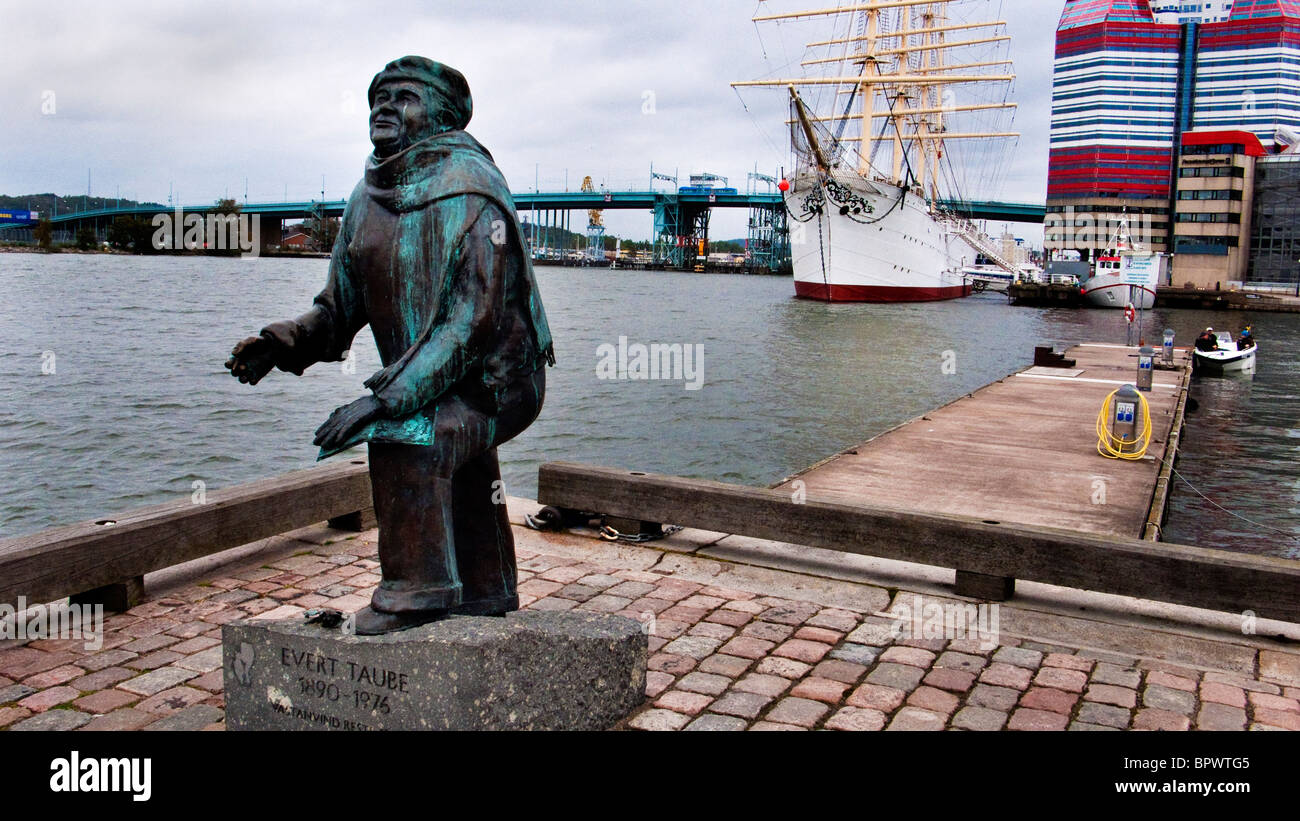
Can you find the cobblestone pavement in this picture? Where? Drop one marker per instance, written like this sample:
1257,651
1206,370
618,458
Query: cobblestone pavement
778,655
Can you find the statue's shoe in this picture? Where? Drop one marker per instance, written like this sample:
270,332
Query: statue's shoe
372,622
494,606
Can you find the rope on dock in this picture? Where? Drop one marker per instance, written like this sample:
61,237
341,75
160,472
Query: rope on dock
1112,446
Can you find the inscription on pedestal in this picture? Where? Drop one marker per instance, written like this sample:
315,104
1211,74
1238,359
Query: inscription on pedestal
525,671
333,681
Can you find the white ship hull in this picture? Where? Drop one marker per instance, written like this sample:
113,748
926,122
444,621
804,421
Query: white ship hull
1124,278
896,253
1112,291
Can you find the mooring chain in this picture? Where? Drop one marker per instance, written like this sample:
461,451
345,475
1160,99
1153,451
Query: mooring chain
548,518
609,534
821,248
552,518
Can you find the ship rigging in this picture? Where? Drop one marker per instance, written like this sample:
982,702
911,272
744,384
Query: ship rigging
882,139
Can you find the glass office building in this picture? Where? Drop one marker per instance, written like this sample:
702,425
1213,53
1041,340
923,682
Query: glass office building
1275,232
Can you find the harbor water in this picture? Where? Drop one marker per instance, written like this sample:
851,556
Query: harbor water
115,394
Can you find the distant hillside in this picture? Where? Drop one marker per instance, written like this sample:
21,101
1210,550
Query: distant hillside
48,205
561,238
727,246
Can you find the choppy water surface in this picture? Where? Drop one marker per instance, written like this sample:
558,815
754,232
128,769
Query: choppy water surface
138,406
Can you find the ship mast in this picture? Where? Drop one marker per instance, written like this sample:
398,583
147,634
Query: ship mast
869,67
813,143
930,148
911,77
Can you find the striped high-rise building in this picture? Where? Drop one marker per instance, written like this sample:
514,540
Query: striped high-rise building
1248,69
1132,77
1181,11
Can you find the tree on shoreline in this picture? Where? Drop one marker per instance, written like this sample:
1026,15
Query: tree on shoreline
44,233
131,234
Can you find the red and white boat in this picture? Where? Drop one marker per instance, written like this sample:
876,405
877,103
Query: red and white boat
1123,275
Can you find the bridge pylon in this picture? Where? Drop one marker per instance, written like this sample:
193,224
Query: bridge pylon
767,246
681,232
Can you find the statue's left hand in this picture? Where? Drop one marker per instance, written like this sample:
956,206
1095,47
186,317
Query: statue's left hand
346,421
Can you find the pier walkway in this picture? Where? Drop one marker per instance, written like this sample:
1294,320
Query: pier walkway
1021,449
744,634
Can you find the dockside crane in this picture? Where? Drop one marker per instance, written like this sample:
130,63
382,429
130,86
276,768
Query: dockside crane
595,227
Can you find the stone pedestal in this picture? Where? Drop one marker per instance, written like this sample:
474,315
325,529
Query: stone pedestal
527,671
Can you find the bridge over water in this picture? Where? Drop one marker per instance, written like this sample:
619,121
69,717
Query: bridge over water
681,219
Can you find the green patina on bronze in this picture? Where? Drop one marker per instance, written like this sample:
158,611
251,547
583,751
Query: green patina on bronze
438,188
429,254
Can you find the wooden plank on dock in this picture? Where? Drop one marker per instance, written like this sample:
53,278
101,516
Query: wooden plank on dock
1022,449
1199,577
65,561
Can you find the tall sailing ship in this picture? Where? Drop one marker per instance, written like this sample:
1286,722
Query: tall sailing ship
889,120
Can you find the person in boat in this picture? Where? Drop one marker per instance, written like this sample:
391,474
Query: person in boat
1207,341
1246,339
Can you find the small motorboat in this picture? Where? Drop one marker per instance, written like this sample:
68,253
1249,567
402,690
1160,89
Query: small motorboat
1227,356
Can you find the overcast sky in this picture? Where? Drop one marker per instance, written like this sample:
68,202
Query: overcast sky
206,95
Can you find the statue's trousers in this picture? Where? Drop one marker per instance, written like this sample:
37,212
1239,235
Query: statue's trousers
444,532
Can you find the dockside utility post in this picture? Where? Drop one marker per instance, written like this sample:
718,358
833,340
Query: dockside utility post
1126,418
1168,346
1146,359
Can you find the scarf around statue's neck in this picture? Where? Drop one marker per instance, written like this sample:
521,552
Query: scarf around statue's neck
444,165
447,165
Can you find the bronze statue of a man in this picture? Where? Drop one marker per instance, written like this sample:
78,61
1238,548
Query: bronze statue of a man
430,254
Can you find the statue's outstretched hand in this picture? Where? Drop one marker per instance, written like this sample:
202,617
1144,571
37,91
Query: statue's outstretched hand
346,421
251,359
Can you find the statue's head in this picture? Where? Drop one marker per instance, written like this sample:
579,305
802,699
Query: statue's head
414,98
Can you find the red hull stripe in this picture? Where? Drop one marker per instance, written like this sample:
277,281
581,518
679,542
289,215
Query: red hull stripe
876,293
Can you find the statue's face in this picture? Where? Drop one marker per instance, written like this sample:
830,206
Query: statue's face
400,117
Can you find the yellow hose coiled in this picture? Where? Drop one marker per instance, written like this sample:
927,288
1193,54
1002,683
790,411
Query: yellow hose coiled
1111,446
